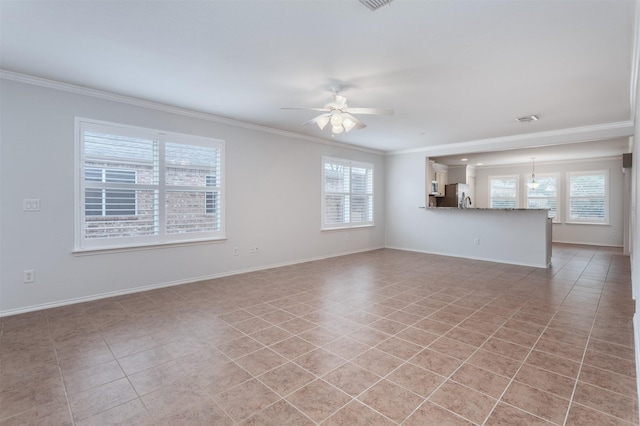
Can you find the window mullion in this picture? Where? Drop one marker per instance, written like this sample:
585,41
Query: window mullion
350,192
162,195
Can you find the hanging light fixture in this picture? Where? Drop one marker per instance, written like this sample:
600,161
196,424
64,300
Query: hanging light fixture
533,184
322,121
348,124
340,122
336,122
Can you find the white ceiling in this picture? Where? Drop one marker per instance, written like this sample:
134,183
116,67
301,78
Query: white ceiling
455,72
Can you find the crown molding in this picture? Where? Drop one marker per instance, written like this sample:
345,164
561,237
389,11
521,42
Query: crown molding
113,97
530,140
550,162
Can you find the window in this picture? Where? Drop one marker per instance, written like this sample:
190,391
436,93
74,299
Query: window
545,196
503,192
143,187
347,193
588,197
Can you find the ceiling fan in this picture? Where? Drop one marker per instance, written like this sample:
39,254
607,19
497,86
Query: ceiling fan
338,113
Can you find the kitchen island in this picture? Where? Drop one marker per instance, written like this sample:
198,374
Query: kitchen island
516,236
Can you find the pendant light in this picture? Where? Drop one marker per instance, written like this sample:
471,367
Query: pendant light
533,184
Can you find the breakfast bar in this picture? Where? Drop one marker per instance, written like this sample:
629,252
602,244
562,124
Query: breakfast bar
517,236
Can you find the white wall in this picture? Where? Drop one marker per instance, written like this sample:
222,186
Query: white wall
273,201
604,235
457,174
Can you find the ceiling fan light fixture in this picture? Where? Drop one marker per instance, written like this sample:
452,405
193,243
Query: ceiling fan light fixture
348,124
339,114
322,121
336,119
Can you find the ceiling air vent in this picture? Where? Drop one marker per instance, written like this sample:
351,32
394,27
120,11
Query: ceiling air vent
375,4
527,119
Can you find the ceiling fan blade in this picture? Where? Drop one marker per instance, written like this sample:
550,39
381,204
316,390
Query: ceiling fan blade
376,111
308,109
357,123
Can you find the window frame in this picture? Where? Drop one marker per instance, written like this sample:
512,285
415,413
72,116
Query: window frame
517,188
606,219
163,233
325,226
556,176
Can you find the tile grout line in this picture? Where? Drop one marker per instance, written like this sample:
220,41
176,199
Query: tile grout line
586,347
64,385
522,363
463,362
512,379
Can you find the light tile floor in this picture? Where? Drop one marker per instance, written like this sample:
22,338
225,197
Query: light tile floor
377,338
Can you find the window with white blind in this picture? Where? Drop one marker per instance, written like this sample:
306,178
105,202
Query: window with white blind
545,196
588,197
347,193
503,192
140,187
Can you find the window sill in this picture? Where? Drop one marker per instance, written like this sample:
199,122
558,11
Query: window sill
142,247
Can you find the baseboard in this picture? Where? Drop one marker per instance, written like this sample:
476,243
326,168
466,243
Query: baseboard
191,280
484,259
587,244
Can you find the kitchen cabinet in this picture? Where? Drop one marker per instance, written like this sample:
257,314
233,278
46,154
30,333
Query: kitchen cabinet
436,179
441,178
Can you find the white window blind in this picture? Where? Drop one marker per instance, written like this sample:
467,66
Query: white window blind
503,192
588,200
545,196
347,193
110,202
143,187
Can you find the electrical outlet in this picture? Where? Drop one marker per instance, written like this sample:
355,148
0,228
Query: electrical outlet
235,251
29,276
31,205
476,241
